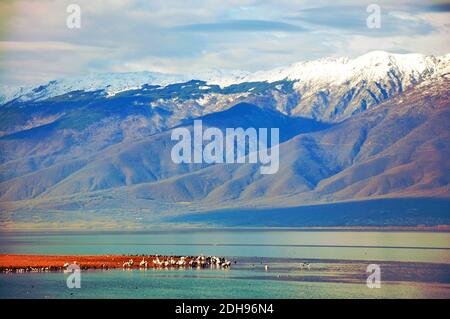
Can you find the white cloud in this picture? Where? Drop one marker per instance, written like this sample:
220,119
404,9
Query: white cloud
131,35
49,46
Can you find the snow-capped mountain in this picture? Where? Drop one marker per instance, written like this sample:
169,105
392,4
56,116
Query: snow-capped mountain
373,67
112,83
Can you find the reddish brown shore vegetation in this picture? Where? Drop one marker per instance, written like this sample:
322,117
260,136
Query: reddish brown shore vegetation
38,263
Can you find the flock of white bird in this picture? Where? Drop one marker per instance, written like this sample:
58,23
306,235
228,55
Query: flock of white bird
184,261
165,262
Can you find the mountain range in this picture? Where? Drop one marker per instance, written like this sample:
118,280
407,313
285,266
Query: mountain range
95,150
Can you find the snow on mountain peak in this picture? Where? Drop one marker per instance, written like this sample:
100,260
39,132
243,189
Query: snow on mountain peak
372,66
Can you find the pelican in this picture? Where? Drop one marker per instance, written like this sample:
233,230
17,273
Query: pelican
143,263
266,267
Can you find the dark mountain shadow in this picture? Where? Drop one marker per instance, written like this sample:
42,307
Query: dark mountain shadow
246,115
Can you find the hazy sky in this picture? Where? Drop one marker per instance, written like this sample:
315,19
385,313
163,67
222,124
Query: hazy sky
183,36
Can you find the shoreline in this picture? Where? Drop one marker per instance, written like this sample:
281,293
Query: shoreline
110,262
46,263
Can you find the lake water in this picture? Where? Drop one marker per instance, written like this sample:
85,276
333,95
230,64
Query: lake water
413,264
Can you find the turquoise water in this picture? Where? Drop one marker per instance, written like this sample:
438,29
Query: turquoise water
414,264
198,284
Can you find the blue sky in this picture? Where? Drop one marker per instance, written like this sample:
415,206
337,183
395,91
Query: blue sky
185,36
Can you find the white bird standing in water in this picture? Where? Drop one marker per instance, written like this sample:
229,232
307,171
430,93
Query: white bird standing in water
143,263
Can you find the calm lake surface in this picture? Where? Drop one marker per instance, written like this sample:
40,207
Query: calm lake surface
415,264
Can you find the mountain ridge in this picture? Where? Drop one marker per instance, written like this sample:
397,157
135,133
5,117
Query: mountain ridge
327,70
109,155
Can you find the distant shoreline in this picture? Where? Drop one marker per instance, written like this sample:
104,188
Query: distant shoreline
201,228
